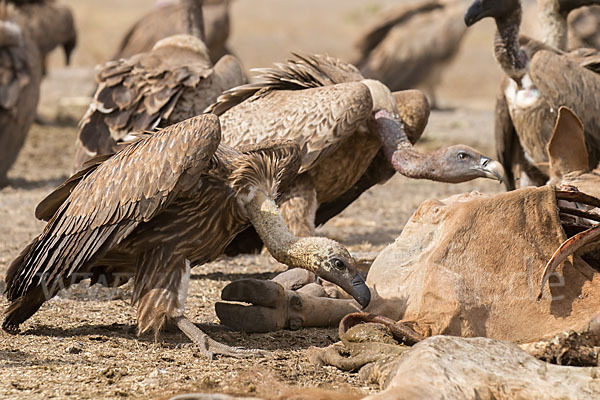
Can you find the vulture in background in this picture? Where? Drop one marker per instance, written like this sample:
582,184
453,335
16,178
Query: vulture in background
540,78
174,81
20,75
412,44
584,29
166,19
51,25
347,128
170,199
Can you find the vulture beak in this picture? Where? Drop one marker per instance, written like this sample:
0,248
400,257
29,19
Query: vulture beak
476,12
354,285
360,291
491,169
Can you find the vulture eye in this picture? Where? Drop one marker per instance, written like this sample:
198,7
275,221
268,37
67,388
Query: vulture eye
462,156
339,264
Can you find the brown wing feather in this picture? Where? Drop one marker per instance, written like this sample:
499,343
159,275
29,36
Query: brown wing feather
132,186
138,93
302,72
317,119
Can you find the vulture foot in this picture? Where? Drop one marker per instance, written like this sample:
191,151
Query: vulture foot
209,347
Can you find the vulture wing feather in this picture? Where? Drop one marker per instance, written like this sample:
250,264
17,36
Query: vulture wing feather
105,205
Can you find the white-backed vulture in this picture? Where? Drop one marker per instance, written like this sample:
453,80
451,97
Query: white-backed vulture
51,25
341,121
169,199
20,75
412,44
540,79
166,20
174,81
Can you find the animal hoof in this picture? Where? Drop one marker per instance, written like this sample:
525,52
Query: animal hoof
257,292
251,319
295,278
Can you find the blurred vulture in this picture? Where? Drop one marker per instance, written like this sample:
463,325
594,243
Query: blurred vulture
583,28
20,74
540,79
347,127
51,25
167,20
412,44
174,81
169,199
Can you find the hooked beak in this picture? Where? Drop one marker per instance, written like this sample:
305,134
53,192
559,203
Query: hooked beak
475,13
491,169
360,291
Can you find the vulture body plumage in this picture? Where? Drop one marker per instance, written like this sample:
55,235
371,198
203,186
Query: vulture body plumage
169,199
20,75
412,44
171,83
347,128
540,79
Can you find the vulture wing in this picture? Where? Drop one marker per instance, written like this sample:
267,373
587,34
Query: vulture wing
136,94
316,101
562,81
318,119
111,200
409,50
507,141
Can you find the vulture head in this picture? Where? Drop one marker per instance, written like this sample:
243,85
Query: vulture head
391,123
497,9
331,261
456,164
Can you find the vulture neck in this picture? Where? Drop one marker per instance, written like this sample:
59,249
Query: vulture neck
281,243
506,46
403,156
554,24
194,19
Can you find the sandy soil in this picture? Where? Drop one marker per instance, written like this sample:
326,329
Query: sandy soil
82,344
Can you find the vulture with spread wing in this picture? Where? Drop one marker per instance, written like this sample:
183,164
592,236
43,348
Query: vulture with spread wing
169,199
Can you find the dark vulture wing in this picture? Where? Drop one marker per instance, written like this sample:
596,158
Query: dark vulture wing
111,200
507,141
136,94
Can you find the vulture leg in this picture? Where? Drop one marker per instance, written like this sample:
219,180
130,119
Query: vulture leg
160,289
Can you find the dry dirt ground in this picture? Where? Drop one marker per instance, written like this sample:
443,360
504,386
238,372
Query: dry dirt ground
82,344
